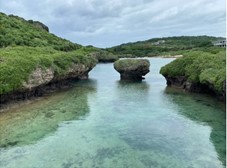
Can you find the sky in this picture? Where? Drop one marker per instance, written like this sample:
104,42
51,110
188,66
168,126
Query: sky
106,23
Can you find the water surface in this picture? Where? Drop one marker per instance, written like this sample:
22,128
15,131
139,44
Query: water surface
105,123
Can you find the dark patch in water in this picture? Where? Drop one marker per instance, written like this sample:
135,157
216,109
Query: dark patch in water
148,162
67,165
104,153
63,111
207,105
49,115
9,144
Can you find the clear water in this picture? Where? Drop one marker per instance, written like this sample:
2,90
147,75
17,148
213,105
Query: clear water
105,123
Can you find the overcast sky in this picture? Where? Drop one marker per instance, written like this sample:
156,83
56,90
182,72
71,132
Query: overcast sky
105,23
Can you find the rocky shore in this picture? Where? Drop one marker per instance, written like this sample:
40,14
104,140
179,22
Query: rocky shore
200,72
183,83
42,81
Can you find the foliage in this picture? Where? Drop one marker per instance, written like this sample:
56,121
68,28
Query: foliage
18,62
126,64
105,56
27,45
165,46
15,31
200,67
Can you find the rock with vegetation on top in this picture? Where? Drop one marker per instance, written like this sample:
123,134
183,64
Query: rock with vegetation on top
201,72
31,71
132,69
105,56
34,61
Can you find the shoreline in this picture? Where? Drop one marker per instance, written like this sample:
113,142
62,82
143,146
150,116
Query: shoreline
24,97
158,56
168,56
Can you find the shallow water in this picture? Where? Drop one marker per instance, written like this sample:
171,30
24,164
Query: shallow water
103,123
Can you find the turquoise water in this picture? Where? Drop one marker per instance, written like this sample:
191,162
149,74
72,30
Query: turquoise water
105,123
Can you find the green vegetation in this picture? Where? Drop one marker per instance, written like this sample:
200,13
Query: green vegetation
200,67
127,64
18,62
27,45
202,62
15,31
105,56
132,69
165,46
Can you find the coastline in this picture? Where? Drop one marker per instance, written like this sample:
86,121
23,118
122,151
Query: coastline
169,56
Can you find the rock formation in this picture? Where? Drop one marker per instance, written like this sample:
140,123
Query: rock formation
104,56
183,83
132,69
45,80
39,25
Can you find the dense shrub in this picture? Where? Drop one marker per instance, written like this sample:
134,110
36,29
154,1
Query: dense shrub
199,67
170,46
18,62
105,56
26,45
16,31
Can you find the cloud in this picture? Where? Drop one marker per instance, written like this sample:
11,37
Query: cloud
105,23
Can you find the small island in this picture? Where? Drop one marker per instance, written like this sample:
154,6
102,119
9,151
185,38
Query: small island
132,69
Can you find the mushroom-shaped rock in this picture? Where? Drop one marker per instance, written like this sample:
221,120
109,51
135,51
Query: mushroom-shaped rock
132,69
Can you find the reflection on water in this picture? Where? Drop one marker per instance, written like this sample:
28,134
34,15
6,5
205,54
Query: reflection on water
107,123
129,92
32,122
205,111
132,87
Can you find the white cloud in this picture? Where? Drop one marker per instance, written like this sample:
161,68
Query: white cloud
105,23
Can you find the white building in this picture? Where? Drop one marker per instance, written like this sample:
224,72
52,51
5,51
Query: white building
220,43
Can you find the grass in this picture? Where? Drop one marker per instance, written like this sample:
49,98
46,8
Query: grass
17,63
105,56
25,46
200,67
170,46
15,31
127,64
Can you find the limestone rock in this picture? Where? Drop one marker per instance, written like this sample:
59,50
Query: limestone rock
183,83
39,77
79,71
132,69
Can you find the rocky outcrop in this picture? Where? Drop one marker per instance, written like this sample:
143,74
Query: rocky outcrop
39,25
34,23
132,69
42,81
79,71
38,77
104,56
183,83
